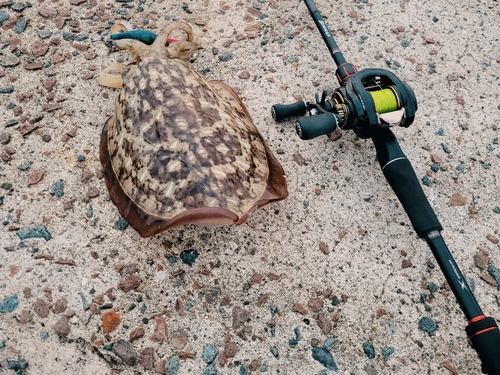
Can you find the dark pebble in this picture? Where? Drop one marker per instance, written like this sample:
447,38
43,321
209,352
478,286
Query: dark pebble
387,351
44,34
57,189
44,335
17,366
426,181
3,17
324,357
496,210
495,273
335,301
226,56
427,325
209,353
125,351
24,166
67,36
210,370
10,123
81,37
34,232
21,25
369,350
121,224
9,304
6,186
274,352
7,90
405,43
215,51
440,132
189,256
434,167
18,7
243,370
85,304
172,366
432,287
329,342
90,211
445,148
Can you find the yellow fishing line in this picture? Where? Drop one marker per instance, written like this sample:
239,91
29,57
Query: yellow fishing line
385,100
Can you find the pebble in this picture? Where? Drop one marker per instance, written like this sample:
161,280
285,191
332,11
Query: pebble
19,7
85,304
369,350
3,17
210,370
147,358
7,90
161,333
226,56
172,366
240,316
62,326
21,25
458,199
189,256
125,351
9,60
44,34
324,357
44,335
427,325
57,189
209,353
387,351
121,224
9,304
42,308
34,232
17,366
495,273
179,339
128,283
110,320
274,352
136,334
329,342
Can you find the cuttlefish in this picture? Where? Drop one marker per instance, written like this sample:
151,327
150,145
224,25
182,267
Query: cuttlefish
181,149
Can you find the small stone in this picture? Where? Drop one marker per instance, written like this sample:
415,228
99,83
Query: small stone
147,358
62,326
7,90
178,339
34,178
42,308
17,366
387,351
244,75
21,25
136,334
315,304
458,199
240,316
323,247
60,305
125,351
274,351
47,12
329,342
495,273
34,232
189,256
9,60
9,304
369,350
481,260
209,353
226,56
173,365
110,320
121,224
128,283
161,333
492,238
450,367
324,324
25,317
298,308
324,357
460,100
427,325
44,34
230,349
5,138
405,263
490,280
49,83
39,48
57,189
160,366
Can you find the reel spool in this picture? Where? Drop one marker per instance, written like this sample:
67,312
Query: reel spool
373,98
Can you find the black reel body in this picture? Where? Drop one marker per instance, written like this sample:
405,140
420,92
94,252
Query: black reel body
374,98
366,101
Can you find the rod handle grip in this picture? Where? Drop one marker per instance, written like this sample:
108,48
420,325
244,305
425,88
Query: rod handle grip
484,336
283,111
309,127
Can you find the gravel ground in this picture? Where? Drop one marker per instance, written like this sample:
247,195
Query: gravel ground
330,280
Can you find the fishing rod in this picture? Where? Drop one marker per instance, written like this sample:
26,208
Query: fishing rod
370,102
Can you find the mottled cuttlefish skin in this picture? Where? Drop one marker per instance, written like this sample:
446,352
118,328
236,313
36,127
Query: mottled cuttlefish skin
181,149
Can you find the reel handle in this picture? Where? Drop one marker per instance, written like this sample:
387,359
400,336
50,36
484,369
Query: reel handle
281,112
310,127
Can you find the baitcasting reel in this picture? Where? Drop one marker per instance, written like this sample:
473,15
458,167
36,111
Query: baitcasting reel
367,100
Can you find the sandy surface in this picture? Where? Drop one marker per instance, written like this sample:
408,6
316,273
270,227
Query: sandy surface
374,280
